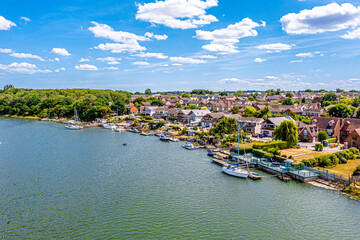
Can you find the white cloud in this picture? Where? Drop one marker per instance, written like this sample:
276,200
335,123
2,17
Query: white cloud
6,24
352,35
86,67
259,60
25,19
113,62
111,68
5,50
223,40
230,80
128,42
60,69
140,63
108,59
178,14
186,60
207,56
84,60
275,47
157,37
60,51
176,64
151,55
56,59
303,55
164,65
328,18
27,55
271,77
296,61
24,67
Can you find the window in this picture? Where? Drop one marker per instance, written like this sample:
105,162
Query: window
305,132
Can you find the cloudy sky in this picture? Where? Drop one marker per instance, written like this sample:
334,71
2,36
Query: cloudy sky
180,44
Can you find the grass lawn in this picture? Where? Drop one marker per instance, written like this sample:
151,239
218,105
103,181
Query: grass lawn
345,169
294,151
309,156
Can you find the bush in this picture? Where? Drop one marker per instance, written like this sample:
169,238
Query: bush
319,147
332,140
259,153
274,144
241,150
357,171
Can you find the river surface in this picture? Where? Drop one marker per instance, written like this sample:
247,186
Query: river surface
58,183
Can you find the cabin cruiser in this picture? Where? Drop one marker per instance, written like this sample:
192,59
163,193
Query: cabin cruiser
235,171
189,146
164,138
118,129
109,126
75,127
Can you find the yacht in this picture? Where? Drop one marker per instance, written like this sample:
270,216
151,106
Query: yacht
189,146
109,126
164,138
118,129
73,124
235,171
75,127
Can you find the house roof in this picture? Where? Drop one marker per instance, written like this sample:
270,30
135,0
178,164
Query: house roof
350,124
278,120
324,122
250,120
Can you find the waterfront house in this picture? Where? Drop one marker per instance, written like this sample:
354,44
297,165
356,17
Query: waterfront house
347,127
149,111
131,109
183,116
211,119
160,112
195,116
353,140
250,125
308,133
331,125
269,125
172,114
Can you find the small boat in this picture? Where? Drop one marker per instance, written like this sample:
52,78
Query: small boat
119,129
235,171
75,127
109,126
164,138
144,134
210,153
174,139
136,131
189,146
254,176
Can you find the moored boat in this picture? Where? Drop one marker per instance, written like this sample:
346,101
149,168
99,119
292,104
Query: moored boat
164,138
235,171
75,127
174,139
189,146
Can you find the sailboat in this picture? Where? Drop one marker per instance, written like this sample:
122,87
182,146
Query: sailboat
251,175
75,125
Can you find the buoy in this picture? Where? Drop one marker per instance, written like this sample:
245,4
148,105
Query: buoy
124,144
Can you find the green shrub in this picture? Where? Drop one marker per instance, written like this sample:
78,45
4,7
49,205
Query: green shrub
319,147
274,144
241,150
332,140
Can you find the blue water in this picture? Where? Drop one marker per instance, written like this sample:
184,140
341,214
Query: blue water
58,183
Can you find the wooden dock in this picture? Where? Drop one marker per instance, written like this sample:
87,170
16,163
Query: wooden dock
220,162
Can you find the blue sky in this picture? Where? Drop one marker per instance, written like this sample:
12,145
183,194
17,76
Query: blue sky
180,44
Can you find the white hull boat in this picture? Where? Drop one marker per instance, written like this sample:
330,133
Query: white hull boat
235,171
74,127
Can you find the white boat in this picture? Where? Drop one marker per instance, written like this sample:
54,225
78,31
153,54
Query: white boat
164,138
119,129
109,126
189,146
174,139
75,127
235,171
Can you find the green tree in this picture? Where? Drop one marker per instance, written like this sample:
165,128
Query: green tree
8,86
322,136
287,101
250,111
178,105
185,95
148,91
118,107
329,98
251,98
356,102
287,131
308,90
157,102
289,95
346,101
341,110
235,110
227,125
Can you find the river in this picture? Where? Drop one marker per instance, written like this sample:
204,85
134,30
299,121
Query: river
58,183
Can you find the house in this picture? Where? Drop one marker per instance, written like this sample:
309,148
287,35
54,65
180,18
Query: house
348,126
172,114
269,125
149,111
131,109
353,140
251,125
211,119
308,133
331,125
195,116
143,106
160,112
183,116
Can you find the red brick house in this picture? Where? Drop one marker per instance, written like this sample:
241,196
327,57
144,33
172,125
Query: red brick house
131,109
353,140
348,126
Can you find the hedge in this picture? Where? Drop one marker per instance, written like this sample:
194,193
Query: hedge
319,147
330,160
332,140
275,144
247,150
262,154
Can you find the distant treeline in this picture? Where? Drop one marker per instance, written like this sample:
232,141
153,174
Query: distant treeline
48,103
